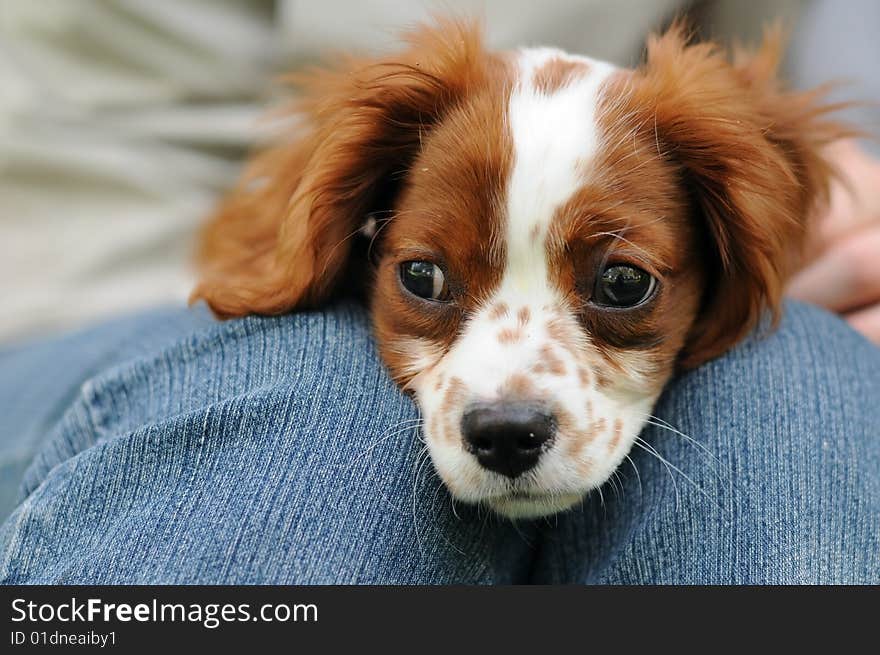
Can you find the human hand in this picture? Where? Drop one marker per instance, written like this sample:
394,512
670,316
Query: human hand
842,272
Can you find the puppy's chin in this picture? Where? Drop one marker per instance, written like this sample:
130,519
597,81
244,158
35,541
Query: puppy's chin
532,506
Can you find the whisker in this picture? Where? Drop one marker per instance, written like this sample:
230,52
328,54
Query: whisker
646,446
718,465
383,223
665,425
379,489
329,258
398,428
615,476
454,509
421,459
433,475
615,235
638,442
638,475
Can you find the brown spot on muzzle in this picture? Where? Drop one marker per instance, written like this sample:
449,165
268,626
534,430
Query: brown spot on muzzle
560,332
508,335
555,366
456,392
615,435
579,439
584,376
519,387
498,311
603,381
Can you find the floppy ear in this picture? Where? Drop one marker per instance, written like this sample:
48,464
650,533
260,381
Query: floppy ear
750,156
282,238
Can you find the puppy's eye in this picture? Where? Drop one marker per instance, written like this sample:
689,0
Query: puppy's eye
424,279
621,285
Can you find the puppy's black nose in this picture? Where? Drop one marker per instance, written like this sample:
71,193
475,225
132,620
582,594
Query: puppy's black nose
507,438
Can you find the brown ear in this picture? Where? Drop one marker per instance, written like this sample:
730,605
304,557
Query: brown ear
750,155
282,238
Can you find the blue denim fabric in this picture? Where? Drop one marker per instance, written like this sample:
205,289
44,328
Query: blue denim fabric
173,449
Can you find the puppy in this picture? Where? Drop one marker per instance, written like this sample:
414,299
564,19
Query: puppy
544,238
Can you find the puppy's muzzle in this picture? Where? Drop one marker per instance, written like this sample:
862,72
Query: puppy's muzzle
507,438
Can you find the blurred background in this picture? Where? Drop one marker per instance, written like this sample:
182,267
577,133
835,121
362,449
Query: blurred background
121,121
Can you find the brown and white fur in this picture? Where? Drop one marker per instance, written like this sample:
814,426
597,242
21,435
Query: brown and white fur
521,175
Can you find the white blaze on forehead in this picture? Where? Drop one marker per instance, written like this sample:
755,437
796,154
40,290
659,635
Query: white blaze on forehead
555,136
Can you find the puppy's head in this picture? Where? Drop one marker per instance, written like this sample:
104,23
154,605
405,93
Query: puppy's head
545,237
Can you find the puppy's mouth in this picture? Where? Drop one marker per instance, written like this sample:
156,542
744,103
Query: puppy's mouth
531,504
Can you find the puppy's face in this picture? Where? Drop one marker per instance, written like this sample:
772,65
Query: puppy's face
535,286
548,237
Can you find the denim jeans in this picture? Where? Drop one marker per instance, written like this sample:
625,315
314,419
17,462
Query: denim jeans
169,448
